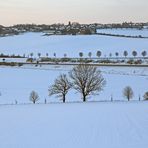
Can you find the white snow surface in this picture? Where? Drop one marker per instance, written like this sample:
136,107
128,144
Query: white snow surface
71,45
131,32
76,125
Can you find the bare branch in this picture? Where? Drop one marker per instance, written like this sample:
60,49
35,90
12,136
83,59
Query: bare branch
87,80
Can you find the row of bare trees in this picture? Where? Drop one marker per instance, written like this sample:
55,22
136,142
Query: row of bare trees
125,54
39,55
129,94
99,54
85,79
60,83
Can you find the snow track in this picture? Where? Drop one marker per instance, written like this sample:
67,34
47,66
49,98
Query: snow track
113,125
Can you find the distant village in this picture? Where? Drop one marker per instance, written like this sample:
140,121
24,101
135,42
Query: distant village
72,28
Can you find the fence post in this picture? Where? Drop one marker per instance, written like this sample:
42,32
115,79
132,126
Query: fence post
139,98
111,98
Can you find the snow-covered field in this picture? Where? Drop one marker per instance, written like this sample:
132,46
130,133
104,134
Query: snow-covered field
71,45
17,83
118,124
131,32
76,125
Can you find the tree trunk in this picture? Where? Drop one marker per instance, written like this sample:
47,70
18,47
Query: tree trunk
84,98
128,99
64,98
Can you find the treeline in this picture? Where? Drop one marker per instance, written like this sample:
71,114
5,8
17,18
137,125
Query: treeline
84,79
99,58
11,56
70,28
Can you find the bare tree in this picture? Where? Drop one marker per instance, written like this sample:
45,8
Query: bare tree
60,87
144,53
128,93
55,55
117,54
80,54
65,55
34,97
99,54
47,54
145,96
31,54
134,53
110,55
90,54
125,53
39,55
87,80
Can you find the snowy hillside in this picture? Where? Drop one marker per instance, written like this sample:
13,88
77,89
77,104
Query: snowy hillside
129,32
71,45
99,123
84,125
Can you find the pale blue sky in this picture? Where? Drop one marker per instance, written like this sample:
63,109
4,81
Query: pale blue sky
84,11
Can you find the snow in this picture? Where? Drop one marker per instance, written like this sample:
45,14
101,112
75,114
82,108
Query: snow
13,59
131,32
18,82
71,45
75,125
97,123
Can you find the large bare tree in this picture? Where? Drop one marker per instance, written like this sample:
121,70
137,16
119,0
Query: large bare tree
60,87
34,97
87,80
145,96
128,93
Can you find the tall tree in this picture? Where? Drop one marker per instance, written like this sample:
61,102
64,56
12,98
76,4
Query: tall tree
31,54
110,55
87,80
65,55
128,93
80,54
145,96
144,53
55,55
125,53
47,54
116,54
134,53
34,97
99,54
39,55
89,54
60,87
